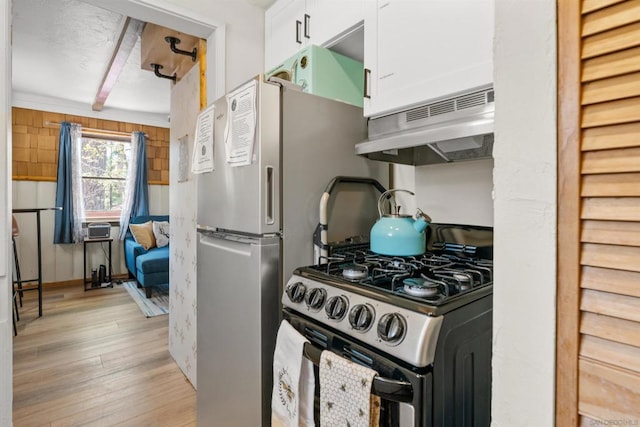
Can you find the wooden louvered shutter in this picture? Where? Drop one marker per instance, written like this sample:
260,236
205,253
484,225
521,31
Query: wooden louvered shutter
598,352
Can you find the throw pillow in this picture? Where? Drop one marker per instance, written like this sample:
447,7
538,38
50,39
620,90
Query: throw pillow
161,233
143,234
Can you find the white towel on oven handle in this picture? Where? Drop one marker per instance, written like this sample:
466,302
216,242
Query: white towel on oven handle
293,381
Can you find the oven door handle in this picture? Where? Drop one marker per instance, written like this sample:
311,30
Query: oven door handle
386,388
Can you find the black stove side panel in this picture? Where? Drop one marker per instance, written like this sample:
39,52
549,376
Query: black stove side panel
462,367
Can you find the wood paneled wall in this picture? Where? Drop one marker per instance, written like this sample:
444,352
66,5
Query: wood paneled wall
35,144
599,191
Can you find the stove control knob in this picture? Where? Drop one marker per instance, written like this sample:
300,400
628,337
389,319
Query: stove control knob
296,291
392,328
336,307
315,298
361,317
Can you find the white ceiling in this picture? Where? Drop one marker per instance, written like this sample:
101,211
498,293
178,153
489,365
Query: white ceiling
62,48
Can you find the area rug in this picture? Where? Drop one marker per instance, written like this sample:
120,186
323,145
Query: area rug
157,305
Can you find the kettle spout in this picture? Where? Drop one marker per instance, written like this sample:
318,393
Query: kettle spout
420,225
422,221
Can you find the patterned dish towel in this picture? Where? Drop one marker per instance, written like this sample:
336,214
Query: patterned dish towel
293,381
345,393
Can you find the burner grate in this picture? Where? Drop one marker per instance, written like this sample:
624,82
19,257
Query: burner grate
432,278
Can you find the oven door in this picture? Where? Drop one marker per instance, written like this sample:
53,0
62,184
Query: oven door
405,392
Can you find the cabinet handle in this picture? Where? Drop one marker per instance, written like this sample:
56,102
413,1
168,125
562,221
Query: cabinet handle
306,25
367,88
298,25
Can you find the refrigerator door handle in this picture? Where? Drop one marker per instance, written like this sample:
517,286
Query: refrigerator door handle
269,196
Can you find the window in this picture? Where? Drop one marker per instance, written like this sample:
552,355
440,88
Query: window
104,173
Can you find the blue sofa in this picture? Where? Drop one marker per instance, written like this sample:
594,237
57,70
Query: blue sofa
149,267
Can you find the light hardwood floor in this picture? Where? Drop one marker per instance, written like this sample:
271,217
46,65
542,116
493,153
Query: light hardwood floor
93,359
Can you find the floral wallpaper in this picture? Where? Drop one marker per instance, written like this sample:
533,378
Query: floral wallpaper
182,201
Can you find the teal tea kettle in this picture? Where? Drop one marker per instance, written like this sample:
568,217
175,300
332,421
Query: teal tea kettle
398,235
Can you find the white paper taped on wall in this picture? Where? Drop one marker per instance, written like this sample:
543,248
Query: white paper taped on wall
203,143
240,132
183,158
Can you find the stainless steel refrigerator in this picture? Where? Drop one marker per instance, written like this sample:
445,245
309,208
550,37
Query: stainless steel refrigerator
255,225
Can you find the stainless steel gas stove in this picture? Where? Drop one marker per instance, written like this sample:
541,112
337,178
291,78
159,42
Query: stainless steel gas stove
424,323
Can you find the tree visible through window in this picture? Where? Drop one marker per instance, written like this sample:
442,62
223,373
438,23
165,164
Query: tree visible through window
104,172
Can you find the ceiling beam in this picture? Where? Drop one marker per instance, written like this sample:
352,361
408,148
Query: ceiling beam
131,31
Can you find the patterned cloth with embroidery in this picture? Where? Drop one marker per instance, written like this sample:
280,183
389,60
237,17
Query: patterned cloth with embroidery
293,381
345,393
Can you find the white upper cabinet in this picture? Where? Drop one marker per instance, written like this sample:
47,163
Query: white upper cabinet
284,28
424,50
332,18
291,25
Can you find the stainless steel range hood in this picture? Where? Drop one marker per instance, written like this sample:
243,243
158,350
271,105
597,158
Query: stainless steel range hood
451,130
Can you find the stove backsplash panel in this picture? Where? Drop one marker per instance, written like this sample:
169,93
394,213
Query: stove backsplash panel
459,193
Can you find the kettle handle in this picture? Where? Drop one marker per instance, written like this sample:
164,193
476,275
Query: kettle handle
386,194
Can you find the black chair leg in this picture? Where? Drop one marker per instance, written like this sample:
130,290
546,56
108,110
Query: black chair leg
17,264
16,313
16,316
15,305
14,292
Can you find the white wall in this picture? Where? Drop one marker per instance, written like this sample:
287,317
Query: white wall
6,331
64,262
525,213
185,106
404,178
56,105
458,193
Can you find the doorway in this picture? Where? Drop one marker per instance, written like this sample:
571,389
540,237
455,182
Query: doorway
168,15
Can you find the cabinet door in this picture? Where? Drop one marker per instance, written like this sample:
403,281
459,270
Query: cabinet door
427,50
329,19
284,31
370,60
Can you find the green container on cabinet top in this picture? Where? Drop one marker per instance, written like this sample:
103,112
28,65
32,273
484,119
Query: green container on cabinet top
324,73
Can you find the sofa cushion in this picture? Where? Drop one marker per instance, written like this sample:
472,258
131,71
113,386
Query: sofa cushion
143,219
143,234
154,261
161,233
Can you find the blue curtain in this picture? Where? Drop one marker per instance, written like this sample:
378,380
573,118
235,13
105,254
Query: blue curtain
136,194
63,229
140,204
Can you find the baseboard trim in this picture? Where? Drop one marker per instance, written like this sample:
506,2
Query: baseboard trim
78,282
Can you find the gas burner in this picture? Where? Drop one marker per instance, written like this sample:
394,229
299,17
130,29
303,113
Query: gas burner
421,288
355,272
464,281
432,278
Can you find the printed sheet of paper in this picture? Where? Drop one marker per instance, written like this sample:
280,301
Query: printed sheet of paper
183,159
241,125
204,141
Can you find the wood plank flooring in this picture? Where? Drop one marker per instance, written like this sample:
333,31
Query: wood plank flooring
93,359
